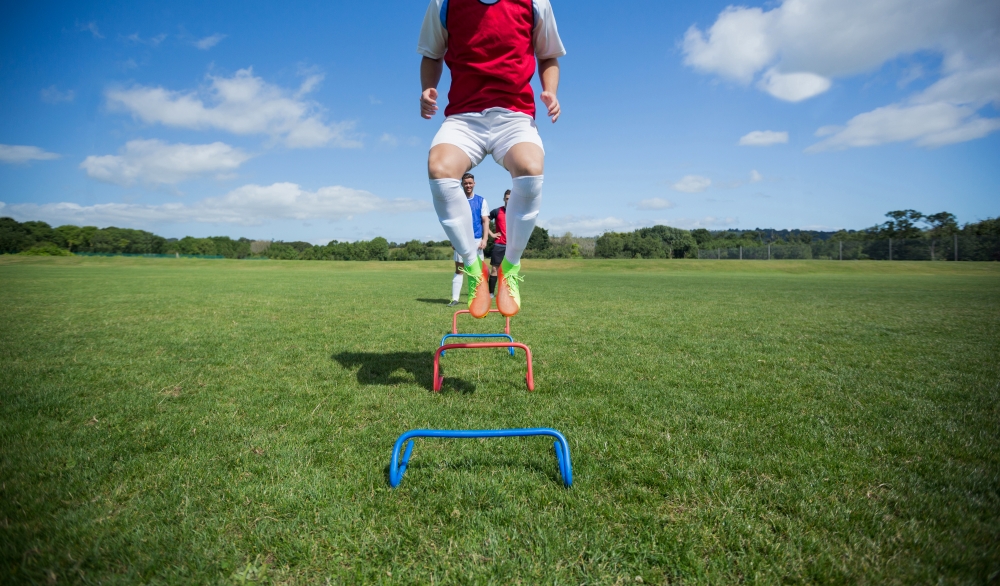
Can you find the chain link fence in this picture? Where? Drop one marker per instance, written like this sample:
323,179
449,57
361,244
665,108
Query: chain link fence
967,248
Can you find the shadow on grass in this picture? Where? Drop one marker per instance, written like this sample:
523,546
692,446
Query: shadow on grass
434,301
384,368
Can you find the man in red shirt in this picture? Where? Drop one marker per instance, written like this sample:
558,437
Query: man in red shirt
499,219
490,47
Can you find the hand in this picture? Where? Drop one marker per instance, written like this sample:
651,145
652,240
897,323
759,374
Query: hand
428,103
550,100
482,245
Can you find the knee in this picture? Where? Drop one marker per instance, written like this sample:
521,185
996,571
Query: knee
444,163
437,168
525,160
531,168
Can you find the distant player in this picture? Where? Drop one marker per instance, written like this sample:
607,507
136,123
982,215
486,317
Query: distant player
480,229
499,219
490,47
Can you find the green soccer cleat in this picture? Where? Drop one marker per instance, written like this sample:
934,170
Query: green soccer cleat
509,289
479,289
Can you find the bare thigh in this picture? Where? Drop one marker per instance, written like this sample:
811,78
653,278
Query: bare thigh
447,161
524,159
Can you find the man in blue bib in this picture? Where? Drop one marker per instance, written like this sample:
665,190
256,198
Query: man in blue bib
480,229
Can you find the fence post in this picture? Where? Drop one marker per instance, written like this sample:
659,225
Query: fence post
956,247
841,250
768,251
741,252
890,249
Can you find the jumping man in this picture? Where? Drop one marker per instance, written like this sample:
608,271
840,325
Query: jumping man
490,47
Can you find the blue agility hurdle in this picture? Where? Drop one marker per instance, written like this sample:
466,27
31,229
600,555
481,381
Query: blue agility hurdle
397,467
454,330
446,336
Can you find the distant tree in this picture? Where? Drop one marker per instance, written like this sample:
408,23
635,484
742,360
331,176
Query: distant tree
989,227
281,251
903,224
46,249
942,224
78,239
701,236
195,246
378,249
539,239
610,245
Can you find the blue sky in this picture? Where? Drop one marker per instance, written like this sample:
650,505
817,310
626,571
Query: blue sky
300,121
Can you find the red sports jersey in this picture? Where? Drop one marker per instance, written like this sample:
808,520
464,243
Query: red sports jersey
490,55
499,217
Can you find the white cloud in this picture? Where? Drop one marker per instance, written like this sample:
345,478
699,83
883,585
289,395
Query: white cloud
793,87
152,41
52,95
92,27
739,44
706,222
833,38
799,46
930,125
15,154
692,184
945,113
209,41
755,177
246,206
242,104
589,226
763,138
156,162
389,140
655,203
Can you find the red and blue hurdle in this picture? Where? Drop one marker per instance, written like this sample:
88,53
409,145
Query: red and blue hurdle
454,320
439,374
454,331
397,466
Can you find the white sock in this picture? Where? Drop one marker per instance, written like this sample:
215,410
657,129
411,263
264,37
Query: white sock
522,211
453,211
456,287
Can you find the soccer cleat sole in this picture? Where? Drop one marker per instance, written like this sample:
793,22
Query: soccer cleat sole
505,301
480,306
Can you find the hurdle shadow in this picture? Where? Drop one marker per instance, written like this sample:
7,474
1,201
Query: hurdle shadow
383,368
434,301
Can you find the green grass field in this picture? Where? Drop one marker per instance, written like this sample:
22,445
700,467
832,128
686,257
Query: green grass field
184,421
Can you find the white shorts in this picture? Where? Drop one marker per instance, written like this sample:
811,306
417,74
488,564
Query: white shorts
491,131
458,257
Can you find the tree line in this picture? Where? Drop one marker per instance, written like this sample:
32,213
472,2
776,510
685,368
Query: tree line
913,232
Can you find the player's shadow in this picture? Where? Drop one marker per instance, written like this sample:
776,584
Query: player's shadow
399,368
434,301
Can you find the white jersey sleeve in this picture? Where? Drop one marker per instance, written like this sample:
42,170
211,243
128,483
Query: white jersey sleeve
485,212
433,40
546,36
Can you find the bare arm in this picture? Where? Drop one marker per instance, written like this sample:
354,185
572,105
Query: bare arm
548,72
430,75
486,232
